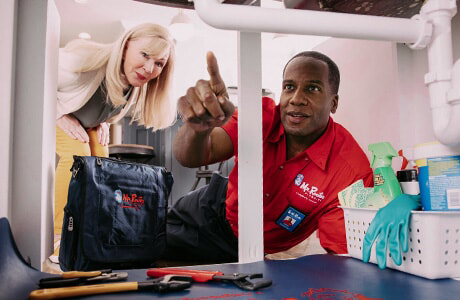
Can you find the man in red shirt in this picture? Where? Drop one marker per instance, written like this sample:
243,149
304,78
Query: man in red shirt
307,160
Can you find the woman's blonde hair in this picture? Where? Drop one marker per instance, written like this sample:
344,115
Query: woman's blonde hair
153,107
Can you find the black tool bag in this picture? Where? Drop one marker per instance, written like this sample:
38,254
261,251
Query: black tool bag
115,215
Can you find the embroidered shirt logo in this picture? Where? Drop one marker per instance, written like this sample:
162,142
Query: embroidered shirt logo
298,180
308,191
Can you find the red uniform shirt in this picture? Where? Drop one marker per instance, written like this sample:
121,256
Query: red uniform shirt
309,182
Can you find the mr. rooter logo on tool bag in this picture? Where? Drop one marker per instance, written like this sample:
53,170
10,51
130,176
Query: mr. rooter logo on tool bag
126,200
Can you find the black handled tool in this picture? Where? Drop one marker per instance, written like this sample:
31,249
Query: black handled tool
74,278
164,284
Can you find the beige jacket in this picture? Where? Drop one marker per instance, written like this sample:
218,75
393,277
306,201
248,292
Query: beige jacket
75,89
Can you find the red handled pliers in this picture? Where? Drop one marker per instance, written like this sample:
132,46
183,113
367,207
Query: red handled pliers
242,280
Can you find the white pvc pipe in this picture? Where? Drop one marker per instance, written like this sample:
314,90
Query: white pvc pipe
445,115
294,21
250,176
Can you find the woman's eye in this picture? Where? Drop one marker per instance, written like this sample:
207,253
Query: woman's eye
145,55
160,64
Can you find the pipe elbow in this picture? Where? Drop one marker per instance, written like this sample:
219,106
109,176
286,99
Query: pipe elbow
209,12
446,124
446,118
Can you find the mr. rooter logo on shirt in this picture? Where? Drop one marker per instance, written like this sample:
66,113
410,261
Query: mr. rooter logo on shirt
307,190
126,200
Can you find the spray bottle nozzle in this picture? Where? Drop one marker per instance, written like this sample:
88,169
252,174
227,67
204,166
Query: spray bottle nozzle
382,154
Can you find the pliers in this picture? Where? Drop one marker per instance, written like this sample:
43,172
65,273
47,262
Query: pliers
74,278
164,284
242,280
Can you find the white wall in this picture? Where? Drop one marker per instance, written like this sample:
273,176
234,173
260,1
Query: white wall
7,26
368,94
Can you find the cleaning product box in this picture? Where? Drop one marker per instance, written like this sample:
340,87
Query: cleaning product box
439,176
355,195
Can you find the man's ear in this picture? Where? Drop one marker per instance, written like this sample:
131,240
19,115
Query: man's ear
335,103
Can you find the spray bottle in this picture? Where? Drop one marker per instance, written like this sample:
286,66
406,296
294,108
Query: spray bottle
386,184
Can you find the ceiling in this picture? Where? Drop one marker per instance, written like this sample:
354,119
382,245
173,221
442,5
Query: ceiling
389,8
189,3
105,20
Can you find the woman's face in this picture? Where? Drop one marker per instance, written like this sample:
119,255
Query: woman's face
138,66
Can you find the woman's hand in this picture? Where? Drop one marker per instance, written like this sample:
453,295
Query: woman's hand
103,133
72,127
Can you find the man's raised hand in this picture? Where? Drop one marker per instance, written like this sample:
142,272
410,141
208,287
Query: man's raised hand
206,105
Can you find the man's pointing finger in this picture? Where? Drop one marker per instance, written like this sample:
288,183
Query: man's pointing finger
217,84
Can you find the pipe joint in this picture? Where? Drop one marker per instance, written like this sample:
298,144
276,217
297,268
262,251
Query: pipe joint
425,35
453,95
434,77
437,6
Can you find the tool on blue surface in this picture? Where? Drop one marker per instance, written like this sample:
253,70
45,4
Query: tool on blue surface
168,283
74,278
242,280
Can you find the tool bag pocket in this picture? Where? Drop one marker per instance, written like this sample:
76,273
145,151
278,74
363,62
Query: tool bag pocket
115,215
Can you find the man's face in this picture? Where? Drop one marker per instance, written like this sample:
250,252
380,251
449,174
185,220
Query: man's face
306,98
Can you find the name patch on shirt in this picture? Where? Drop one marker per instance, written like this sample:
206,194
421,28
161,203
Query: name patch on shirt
290,219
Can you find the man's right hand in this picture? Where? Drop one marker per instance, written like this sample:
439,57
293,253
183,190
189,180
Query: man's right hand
72,127
206,105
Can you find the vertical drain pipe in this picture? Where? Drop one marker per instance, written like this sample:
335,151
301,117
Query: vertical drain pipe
439,79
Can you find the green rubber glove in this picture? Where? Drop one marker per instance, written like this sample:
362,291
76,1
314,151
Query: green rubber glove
389,229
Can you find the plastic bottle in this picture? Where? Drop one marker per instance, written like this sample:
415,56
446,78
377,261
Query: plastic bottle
408,180
439,176
386,184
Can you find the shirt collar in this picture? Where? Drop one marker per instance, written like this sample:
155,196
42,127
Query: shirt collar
276,131
319,152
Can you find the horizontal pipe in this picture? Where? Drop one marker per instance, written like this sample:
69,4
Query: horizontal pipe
306,22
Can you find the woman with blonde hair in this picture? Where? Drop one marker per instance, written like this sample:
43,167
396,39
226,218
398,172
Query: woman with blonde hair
98,84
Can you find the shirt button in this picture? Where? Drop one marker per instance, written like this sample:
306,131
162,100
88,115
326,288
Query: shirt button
281,167
267,195
306,158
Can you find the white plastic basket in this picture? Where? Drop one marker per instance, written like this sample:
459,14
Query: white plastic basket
434,242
